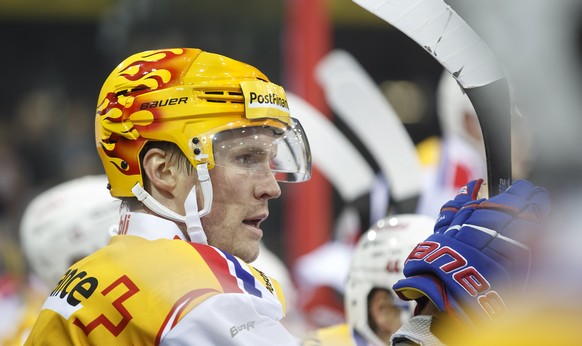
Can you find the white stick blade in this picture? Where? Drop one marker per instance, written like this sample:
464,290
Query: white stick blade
355,98
437,28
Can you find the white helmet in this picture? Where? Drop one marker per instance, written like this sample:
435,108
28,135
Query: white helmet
66,223
377,263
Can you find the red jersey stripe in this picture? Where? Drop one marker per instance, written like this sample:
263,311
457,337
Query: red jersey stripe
219,267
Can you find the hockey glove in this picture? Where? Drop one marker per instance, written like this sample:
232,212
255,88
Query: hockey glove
479,254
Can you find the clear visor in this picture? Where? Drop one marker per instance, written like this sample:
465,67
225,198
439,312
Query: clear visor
283,152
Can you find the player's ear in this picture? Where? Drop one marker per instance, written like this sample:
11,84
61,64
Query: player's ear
160,171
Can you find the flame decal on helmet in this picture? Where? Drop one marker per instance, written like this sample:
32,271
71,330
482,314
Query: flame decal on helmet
116,112
154,70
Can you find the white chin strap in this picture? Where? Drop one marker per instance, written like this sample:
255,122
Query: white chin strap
193,215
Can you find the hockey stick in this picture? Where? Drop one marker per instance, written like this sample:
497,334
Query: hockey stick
453,43
331,150
356,99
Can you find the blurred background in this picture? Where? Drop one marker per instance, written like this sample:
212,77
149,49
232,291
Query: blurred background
55,57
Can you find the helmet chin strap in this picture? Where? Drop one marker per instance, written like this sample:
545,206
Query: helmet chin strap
193,215
206,186
192,219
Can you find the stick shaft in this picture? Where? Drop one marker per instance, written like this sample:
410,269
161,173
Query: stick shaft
491,103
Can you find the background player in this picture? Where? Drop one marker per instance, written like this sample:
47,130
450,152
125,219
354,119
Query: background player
373,311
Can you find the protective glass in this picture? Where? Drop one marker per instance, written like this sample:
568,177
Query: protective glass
282,151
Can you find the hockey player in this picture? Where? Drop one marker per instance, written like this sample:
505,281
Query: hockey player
193,143
475,266
74,218
60,226
373,311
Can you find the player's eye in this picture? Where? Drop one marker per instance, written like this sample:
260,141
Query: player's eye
246,159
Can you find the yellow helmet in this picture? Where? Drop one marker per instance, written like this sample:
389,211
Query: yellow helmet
187,96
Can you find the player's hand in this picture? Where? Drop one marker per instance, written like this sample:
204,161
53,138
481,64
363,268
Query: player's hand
479,255
468,193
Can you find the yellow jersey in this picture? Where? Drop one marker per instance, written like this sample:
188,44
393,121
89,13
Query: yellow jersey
151,287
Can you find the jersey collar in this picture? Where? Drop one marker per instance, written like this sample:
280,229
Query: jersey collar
148,226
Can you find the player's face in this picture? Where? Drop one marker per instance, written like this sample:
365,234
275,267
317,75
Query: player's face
385,314
243,183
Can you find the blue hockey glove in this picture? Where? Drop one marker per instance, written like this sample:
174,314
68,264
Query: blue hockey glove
479,254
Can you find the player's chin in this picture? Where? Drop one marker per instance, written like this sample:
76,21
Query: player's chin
250,252
253,256
248,238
